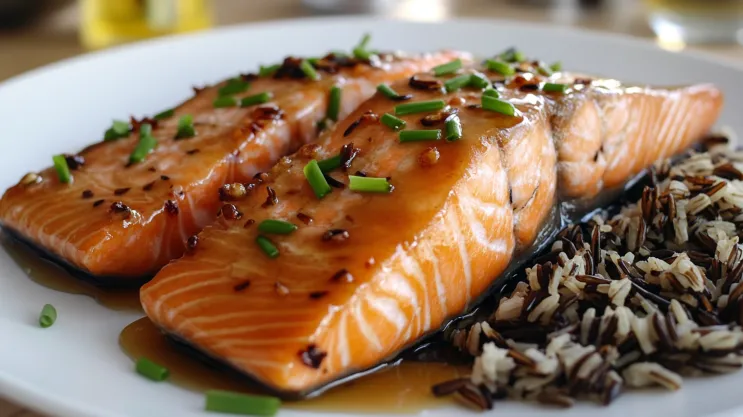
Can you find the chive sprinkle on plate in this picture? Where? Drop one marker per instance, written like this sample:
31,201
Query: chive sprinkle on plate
500,67
185,127
478,80
555,88
491,92
420,135
225,101
243,404
369,184
48,316
460,81
267,247
453,128
327,165
392,122
276,227
119,129
448,68
234,86
164,114
309,70
267,70
497,105
260,98
317,180
146,144
151,370
387,91
63,170
361,51
419,107
334,103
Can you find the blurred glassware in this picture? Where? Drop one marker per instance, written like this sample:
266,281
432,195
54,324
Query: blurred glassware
15,13
351,6
696,21
109,22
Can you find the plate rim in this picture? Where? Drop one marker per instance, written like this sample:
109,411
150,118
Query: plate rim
25,395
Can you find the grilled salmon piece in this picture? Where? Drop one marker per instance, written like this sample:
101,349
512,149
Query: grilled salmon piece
119,221
366,274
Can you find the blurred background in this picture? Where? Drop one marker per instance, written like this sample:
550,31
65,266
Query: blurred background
37,32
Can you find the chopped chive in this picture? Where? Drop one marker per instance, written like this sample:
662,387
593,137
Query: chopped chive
512,55
185,127
236,403
448,68
498,105
317,181
276,227
420,135
63,170
261,98
457,82
327,165
309,70
313,61
491,92
392,122
453,128
334,103
146,144
544,70
225,101
361,51
151,370
48,316
419,107
500,67
339,53
234,86
267,246
164,114
555,88
478,80
369,184
119,129
266,70
556,67
387,91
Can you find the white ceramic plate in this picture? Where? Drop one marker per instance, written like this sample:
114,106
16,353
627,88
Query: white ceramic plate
76,368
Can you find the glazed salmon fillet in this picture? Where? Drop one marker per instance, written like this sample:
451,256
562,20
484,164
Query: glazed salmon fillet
362,275
119,221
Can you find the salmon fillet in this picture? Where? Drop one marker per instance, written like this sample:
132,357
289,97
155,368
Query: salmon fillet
366,274
119,221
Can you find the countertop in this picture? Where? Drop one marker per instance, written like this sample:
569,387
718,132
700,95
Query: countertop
54,37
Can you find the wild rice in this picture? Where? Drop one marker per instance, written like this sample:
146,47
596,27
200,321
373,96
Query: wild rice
637,299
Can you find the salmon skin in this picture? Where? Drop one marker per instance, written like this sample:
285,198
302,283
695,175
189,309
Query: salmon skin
117,222
362,275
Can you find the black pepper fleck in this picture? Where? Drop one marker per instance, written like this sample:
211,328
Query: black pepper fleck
164,177
249,223
148,186
74,161
304,218
230,212
318,294
192,242
171,207
242,286
192,151
337,235
271,200
118,207
121,191
342,276
312,356
87,194
98,203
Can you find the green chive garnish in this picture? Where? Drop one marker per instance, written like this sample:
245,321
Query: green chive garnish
261,98
448,68
164,114
500,67
457,82
491,92
556,67
392,122
309,70
151,370
360,51
234,86
225,101
512,55
236,403
555,88
267,246
63,170
317,180
369,184
334,103
453,128
266,70
48,316
146,144
327,165
419,107
420,135
478,80
119,129
544,70
498,105
185,127
276,227
387,91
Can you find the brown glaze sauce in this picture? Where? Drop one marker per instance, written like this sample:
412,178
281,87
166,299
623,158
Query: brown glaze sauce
50,275
398,389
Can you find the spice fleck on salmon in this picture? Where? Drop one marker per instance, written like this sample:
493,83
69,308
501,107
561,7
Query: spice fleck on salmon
312,356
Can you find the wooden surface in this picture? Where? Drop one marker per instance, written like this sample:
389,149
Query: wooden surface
54,37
